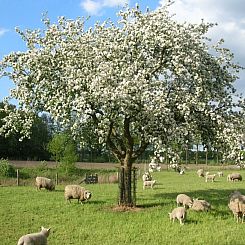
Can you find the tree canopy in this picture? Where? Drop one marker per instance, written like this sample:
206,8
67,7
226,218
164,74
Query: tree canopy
145,79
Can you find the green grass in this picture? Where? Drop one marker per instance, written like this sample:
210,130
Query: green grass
24,210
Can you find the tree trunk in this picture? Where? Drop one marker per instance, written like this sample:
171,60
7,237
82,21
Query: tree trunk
125,186
122,146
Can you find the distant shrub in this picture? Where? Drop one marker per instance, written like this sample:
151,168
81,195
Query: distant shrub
67,168
43,166
6,169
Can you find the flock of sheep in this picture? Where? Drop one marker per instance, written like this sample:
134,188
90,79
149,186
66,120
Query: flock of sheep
230,177
71,192
236,202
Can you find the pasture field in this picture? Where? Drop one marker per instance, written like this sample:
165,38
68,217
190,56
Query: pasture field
23,210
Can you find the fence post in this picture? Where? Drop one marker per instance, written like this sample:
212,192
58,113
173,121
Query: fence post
56,179
17,177
134,183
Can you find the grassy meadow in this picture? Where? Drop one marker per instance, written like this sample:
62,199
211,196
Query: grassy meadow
23,210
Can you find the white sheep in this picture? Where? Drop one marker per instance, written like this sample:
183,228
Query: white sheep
150,183
220,174
146,176
234,177
39,238
43,182
237,205
185,200
77,192
178,213
200,173
210,177
200,205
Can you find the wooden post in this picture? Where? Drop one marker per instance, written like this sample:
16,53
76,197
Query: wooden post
134,183
17,177
56,179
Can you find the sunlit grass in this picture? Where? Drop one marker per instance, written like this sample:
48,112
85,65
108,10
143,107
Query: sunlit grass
23,210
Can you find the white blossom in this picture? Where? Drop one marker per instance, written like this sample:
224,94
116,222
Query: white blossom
161,77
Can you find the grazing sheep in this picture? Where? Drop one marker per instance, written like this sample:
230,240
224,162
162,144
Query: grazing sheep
237,205
39,238
185,200
178,213
210,177
220,174
150,183
234,195
146,176
42,182
235,177
200,173
200,205
77,192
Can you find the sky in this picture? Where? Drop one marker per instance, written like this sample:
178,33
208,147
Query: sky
27,14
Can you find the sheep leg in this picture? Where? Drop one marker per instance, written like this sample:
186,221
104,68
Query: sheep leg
181,221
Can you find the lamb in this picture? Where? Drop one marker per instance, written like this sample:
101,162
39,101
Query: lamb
178,213
39,238
200,173
220,174
235,177
150,183
77,192
237,205
210,177
42,182
200,205
146,176
185,200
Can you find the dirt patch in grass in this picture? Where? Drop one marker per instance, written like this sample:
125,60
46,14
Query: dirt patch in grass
126,209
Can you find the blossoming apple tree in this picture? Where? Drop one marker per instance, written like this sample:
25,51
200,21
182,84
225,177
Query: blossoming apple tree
145,79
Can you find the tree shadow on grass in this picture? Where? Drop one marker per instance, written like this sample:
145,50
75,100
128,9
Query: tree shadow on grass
59,190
